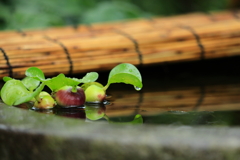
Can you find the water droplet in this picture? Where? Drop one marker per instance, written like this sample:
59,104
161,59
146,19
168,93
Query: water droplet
137,88
106,102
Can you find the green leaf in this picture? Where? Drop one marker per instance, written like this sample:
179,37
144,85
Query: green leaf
29,96
90,77
5,79
36,73
30,83
72,81
125,73
60,81
56,82
12,91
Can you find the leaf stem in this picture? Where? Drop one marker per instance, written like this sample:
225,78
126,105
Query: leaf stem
106,87
106,117
74,89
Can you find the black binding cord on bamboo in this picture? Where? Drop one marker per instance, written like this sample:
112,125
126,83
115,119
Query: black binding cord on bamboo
198,40
235,14
140,100
21,32
75,27
135,44
10,71
210,16
65,51
201,98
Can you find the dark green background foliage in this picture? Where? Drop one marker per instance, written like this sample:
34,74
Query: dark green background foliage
22,14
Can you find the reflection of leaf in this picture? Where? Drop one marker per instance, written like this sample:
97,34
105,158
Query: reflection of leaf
137,120
125,73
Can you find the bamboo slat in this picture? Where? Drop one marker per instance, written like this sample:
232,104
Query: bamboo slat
72,50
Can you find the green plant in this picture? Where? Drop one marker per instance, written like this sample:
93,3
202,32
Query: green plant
15,92
122,73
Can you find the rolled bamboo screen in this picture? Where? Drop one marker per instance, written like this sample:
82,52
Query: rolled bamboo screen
80,49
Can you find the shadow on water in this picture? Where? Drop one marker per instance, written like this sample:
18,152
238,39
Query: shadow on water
191,93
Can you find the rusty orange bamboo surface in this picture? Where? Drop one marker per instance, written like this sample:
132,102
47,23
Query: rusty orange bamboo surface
72,50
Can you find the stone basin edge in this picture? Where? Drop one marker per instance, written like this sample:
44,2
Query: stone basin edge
29,135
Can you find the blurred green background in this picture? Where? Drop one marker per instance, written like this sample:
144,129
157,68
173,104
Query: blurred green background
25,14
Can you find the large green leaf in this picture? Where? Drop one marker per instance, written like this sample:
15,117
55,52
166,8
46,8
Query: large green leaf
12,91
125,73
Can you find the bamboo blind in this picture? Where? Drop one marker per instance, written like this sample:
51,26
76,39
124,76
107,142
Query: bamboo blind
72,50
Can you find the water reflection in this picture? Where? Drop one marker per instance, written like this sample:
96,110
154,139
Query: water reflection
195,98
89,112
183,105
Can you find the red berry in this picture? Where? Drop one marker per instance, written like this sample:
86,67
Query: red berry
69,96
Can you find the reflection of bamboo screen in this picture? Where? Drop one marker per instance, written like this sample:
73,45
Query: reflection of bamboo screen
206,98
102,46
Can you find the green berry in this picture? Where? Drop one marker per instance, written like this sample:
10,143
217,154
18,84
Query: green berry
95,94
44,101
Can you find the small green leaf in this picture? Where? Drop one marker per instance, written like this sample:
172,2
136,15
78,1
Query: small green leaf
90,77
30,83
5,79
36,73
72,81
12,91
56,82
60,81
125,73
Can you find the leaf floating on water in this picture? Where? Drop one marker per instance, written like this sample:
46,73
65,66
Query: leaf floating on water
12,91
